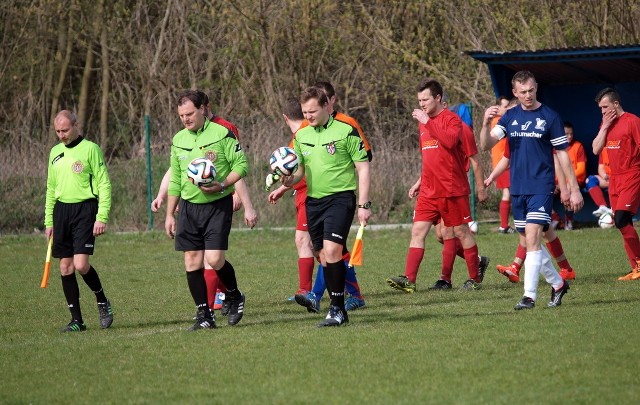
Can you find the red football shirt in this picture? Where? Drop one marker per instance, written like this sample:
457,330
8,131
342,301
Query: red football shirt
443,157
623,145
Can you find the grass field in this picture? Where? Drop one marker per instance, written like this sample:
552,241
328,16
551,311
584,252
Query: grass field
428,347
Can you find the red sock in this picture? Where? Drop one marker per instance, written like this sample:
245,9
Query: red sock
448,258
414,258
471,257
631,243
305,272
597,196
505,208
212,281
521,253
555,247
459,249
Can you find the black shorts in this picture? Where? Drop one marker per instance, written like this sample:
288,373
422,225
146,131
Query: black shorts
330,217
73,228
204,226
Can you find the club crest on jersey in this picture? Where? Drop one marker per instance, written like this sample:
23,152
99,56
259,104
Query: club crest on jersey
211,155
331,148
540,123
77,166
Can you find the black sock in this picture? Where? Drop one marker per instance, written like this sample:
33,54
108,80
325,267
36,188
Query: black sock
198,288
227,274
334,277
93,281
72,294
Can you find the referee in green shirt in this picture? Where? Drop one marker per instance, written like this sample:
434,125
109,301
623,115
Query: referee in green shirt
328,151
204,215
77,209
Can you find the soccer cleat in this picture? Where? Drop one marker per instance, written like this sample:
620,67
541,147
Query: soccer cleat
352,303
236,309
506,230
482,266
568,226
525,303
511,272
632,275
217,304
106,314
74,326
441,285
556,296
471,285
402,283
204,320
568,274
336,317
603,209
308,300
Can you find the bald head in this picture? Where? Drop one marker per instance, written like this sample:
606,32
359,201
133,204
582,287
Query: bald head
65,125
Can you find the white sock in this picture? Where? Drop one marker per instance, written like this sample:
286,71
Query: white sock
532,265
549,272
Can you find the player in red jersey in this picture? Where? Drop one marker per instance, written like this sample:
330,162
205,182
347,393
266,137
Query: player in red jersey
215,289
443,188
452,246
620,135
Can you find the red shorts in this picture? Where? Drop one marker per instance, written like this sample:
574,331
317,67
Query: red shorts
624,193
453,211
301,210
301,218
503,181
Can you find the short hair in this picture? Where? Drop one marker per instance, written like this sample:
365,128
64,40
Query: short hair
610,93
205,98
68,114
522,76
314,92
195,96
499,100
432,84
292,109
568,124
327,88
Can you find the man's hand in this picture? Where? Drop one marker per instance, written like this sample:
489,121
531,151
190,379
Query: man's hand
270,180
420,115
99,228
170,226
156,204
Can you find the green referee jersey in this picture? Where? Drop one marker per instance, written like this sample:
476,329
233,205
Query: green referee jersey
76,173
328,153
214,142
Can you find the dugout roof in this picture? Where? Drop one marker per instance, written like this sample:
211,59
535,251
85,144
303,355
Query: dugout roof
569,80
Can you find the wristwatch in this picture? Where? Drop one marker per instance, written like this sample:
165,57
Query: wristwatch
366,205
221,187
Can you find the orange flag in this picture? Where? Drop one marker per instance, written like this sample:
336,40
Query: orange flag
356,252
47,265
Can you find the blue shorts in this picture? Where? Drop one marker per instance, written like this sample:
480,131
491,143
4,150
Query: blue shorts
531,209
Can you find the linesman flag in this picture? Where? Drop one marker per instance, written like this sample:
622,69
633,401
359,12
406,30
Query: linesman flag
47,265
356,252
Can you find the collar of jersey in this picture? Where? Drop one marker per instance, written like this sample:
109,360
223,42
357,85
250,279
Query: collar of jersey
325,126
201,130
74,143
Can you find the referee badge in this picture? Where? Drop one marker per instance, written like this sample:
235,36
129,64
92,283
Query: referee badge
331,148
77,167
211,155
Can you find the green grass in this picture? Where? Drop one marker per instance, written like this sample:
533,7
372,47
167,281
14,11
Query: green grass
428,347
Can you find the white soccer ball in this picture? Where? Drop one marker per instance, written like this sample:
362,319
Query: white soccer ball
606,221
473,226
201,172
283,161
